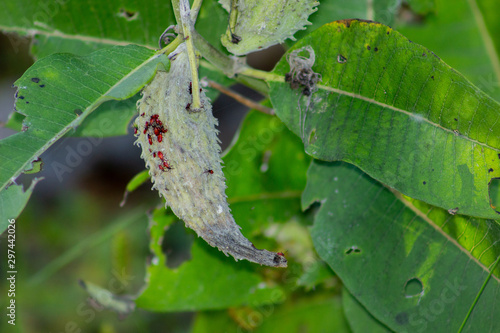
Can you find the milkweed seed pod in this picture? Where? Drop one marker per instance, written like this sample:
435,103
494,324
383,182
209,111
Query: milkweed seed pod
182,152
259,24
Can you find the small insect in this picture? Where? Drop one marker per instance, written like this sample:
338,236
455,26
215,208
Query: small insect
135,130
150,140
190,88
160,155
281,254
210,171
160,138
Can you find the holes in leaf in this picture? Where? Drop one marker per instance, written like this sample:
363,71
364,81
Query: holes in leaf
352,249
177,245
129,15
494,191
413,287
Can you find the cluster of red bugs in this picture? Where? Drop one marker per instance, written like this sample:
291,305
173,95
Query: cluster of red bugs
157,126
164,166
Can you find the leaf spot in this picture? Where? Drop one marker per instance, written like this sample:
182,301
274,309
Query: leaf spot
35,79
128,14
352,249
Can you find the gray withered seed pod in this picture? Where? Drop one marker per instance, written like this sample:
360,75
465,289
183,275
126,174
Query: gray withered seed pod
182,153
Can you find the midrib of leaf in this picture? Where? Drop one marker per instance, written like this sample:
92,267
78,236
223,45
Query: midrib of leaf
488,42
424,217
33,32
409,114
276,78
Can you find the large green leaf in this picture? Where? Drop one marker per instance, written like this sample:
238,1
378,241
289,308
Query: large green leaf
398,112
58,92
399,261
264,192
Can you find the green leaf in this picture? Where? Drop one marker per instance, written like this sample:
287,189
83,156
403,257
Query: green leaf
398,112
58,92
12,202
111,118
312,314
359,319
363,231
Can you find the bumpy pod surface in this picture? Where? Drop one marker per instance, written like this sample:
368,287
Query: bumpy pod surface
263,23
182,153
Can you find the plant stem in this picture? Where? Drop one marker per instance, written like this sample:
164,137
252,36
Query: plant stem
172,46
187,27
258,74
240,98
195,9
177,13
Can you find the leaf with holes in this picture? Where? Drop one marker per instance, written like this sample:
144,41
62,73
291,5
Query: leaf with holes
59,91
394,109
410,265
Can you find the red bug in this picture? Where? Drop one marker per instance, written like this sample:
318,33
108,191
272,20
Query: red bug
150,139
166,165
210,171
160,138
135,130
281,254
154,154
160,155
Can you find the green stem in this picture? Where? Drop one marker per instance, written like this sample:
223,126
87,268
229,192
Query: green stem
188,28
177,13
195,9
172,46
